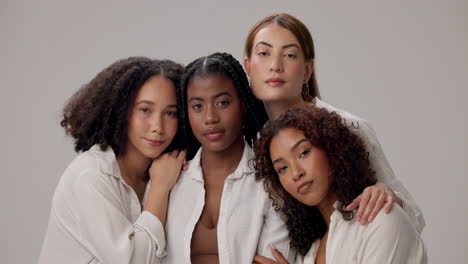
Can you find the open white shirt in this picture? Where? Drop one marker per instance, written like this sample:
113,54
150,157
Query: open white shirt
379,162
247,223
97,218
389,239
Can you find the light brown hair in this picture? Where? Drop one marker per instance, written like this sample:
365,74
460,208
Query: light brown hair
300,31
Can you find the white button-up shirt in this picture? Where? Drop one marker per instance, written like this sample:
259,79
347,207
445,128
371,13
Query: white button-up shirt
379,162
389,239
96,217
247,224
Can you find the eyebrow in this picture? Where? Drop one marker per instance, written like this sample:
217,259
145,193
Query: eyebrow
292,149
194,98
152,103
271,46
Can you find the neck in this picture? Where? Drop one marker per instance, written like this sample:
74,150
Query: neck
133,167
275,108
225,162
326,207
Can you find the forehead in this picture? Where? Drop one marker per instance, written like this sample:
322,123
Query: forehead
275,34
284,140
157,87
210,85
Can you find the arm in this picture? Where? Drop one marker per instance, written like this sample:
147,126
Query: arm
104,227
274,234
384,173
392,239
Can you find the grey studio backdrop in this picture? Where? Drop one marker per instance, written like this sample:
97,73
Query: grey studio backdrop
402,65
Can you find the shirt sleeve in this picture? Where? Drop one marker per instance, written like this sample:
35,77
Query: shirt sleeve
385,174
103,228
274,233
392,239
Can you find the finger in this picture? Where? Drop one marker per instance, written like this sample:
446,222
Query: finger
354,203
378,206
362,205
175,153
389,204
375,194
181,156
263,260
278,256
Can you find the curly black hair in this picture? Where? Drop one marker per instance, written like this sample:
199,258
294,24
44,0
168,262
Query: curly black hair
349,164
98,112
226,65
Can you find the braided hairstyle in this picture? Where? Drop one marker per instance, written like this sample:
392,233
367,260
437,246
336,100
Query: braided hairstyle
98,112
227,66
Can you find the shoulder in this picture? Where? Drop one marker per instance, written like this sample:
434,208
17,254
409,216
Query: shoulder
90,169
395,225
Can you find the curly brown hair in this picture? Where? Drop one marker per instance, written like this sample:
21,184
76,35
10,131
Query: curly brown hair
98,112
348,160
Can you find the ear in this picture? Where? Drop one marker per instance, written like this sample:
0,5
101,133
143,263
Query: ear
309,70
247,65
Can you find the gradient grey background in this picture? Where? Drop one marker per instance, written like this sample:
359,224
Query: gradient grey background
402,65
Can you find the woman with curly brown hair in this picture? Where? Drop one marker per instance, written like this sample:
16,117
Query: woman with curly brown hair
104,209
280,60
313,167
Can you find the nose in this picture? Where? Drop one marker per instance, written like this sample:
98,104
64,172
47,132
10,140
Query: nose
276,64
211,115
297,172
157,124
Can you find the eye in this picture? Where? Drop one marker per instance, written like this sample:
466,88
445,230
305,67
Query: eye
262,53
197,107
304,153
291,55
281,169
171,113
223,103
145,110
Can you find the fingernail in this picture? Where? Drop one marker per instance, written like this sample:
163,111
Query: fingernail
370,219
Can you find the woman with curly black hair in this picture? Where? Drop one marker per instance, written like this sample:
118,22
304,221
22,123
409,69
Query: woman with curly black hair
313,167
104,208
218,212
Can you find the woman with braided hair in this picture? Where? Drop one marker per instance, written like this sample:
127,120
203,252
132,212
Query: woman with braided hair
218,212
104,209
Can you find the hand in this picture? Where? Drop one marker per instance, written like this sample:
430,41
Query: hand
278,256
165,169
372,200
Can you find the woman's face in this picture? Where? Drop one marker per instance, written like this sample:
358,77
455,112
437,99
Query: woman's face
302,168
153,118
215,112
277,67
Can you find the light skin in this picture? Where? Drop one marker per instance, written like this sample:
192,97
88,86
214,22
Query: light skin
152,124
276,54
215,114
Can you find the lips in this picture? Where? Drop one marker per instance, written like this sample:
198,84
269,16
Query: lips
304,187
275,82
155,142
214,134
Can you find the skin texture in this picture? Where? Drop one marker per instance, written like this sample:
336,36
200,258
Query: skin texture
302,168
277,54
214,111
